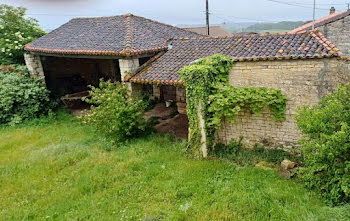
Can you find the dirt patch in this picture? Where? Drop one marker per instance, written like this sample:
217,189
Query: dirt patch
160,111
177,125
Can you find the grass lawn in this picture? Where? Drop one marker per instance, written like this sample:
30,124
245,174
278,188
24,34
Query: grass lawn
62,170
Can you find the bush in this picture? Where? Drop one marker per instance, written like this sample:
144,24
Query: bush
114,112
326,146
15,32
21,97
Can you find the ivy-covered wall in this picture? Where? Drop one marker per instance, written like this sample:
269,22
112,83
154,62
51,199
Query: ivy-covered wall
304,82
211,99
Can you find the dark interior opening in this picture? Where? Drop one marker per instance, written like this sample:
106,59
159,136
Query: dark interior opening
73,75
143,60
167,93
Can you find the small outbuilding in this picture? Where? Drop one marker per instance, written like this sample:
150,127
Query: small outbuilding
304,66
82,51
147,55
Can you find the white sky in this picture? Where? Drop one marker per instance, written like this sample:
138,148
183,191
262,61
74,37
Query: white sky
53,13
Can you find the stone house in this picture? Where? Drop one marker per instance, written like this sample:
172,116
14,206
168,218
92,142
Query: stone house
335,27
147,55
82,51
305,66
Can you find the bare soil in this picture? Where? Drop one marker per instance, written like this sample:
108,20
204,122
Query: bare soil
168,123
177,125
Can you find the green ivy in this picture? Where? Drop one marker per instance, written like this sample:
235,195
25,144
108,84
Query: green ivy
207,82
228,101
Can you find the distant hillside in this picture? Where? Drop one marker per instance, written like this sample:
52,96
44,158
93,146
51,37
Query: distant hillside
283,26
277,27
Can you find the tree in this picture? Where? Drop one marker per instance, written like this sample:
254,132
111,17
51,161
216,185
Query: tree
15,32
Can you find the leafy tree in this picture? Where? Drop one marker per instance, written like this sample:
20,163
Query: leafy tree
326,146
15,32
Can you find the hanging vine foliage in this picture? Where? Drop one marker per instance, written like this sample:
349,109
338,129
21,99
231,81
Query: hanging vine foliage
207,85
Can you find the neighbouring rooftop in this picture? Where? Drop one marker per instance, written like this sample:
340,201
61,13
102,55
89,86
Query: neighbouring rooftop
332,17
125,35
215,31
164,68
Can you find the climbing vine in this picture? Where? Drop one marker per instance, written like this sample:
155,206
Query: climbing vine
207,86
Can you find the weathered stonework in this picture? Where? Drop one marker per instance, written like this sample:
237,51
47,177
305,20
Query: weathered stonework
156,92
180,94
338,33
34,66
304,82
128,66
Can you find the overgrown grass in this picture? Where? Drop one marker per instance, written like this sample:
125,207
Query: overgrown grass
235,152
58,169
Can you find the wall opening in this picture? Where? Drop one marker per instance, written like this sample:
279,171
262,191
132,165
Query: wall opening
73,75
167,93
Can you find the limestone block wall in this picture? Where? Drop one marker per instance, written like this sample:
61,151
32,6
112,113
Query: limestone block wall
34,66
180,94
128,66
338,33
304,82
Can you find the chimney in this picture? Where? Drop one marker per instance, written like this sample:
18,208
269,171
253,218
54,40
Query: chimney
332,11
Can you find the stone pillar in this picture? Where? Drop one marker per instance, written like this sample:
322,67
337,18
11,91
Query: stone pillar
181,99
180,94
156,92
128,66
34,66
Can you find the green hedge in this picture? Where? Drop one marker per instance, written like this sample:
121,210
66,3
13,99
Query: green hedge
21,97
326,146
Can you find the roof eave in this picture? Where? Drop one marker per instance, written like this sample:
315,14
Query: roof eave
123,53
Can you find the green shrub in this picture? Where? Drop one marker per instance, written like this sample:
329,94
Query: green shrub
21,97
114,112
326,146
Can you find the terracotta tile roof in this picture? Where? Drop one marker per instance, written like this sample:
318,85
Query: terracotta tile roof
165,68
126,35
215,31
322,21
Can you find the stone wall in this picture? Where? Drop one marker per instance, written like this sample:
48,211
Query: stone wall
128,66
34,66
163,91
158,94
304,82
180,94
338,33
